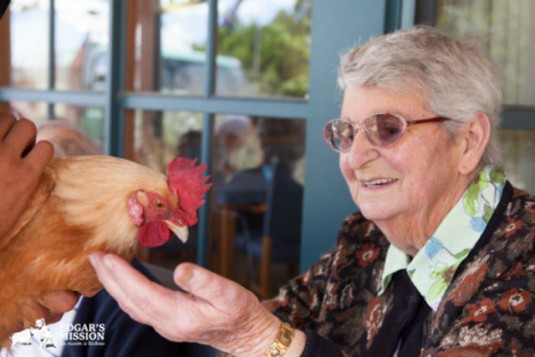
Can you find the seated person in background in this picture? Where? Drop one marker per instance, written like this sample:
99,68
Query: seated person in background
238,147
114,332
238,180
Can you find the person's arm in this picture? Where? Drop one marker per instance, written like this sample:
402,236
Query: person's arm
215,311
22,162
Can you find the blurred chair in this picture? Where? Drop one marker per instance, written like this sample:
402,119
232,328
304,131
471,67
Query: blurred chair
240,204
280,239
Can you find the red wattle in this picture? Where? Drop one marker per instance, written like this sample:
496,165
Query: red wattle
154,234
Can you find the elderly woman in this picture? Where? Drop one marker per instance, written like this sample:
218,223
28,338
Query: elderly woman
439,259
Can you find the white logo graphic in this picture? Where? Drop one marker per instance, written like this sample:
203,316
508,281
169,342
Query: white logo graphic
40,331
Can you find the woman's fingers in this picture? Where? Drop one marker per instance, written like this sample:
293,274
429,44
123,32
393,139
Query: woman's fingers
172,313
219,292
213,310
133,291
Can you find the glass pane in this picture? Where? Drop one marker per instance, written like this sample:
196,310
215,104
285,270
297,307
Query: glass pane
509,34
170,38
257,176
518,147
35,111
158,137
29,44
88,119
264,48
161,136
68,138
256,200
82,33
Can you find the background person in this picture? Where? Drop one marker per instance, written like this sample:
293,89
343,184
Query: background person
437,260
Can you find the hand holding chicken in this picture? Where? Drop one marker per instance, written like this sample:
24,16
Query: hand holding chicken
21,164
86,204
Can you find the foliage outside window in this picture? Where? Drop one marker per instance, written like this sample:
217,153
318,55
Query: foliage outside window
275,55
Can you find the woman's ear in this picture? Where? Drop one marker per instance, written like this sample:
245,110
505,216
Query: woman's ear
476,138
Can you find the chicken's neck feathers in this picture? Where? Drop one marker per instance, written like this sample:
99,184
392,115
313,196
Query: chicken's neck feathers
94,191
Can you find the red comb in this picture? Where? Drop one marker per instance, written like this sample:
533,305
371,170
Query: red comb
186,180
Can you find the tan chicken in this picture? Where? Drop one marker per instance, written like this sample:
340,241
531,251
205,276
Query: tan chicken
86,204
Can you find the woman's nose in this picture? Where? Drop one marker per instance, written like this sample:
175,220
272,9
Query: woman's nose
362,150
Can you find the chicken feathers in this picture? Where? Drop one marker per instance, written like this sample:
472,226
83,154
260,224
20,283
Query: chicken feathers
85,204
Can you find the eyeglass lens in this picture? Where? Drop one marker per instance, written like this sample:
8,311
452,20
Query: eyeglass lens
380,129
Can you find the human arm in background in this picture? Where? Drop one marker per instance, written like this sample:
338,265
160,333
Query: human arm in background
22,162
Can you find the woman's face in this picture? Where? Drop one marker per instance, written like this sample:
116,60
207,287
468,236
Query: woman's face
410,180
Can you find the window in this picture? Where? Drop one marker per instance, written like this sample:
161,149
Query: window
509,35
198,57
224,81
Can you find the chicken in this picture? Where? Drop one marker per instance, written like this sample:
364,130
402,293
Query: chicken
85,204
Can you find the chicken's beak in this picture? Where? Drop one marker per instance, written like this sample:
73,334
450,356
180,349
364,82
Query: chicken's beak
180,231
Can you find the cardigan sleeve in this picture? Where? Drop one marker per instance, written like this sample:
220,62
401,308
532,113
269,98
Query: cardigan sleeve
317,346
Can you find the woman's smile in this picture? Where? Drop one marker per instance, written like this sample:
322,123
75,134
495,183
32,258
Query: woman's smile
378,183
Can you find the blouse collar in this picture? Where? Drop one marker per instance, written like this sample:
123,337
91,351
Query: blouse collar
433,267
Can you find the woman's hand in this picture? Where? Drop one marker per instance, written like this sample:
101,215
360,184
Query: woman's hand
213,311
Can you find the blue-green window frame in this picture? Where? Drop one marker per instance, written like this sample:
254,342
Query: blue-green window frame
516,117
336,27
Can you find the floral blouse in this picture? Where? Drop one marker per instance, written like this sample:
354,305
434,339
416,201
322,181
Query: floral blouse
433,268
488,308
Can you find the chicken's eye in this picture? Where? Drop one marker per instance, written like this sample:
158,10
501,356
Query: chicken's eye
160,204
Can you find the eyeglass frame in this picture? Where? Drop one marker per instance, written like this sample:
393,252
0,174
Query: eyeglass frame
360,126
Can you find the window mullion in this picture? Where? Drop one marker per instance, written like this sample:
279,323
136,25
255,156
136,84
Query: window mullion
114,115
208,123
51,85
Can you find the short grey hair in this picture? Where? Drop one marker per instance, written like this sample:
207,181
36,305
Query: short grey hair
457,76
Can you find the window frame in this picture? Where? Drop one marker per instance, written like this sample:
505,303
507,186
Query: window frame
334,29
515,117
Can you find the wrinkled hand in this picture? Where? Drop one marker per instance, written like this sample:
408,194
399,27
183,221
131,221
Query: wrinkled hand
21,164
214,311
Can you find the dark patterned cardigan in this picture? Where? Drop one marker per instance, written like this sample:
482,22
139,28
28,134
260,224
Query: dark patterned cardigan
488,309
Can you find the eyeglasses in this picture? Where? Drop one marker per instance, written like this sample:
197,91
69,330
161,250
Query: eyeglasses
380,129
